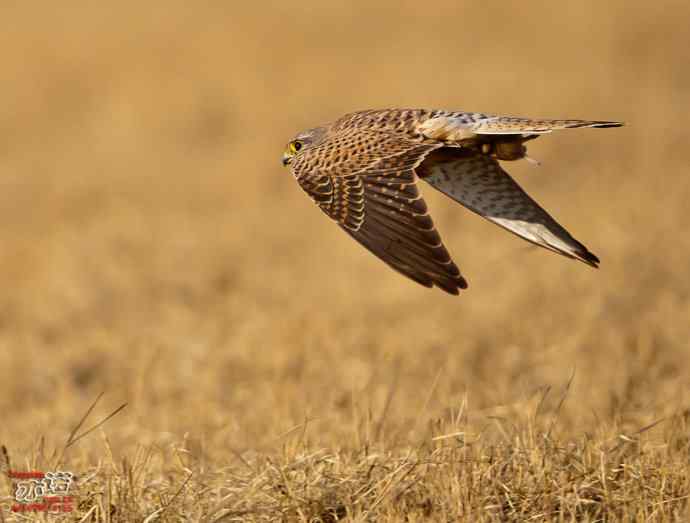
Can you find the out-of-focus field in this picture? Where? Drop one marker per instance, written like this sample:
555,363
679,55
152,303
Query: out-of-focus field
153,248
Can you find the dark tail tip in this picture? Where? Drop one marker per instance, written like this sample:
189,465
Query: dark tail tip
604,125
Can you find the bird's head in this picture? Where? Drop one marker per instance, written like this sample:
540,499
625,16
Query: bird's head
302,142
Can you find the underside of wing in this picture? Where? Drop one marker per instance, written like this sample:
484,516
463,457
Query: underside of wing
479,183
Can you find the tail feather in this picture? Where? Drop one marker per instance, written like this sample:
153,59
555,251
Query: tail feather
512,125
452,127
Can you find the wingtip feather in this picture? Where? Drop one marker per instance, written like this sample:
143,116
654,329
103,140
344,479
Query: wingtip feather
589,258
454,287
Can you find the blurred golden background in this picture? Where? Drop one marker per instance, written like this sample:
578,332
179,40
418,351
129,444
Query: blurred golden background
153,247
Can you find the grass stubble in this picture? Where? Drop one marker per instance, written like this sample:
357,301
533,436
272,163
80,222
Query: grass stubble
524,471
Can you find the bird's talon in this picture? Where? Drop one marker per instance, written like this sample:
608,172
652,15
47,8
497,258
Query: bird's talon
531,160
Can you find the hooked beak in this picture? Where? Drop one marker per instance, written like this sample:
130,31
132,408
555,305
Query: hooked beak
286,159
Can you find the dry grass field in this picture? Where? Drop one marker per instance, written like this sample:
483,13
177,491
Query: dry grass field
153,249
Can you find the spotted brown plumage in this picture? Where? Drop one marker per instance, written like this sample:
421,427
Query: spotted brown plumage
362,171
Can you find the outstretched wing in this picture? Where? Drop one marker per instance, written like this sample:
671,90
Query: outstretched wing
449,127
368,185
479,183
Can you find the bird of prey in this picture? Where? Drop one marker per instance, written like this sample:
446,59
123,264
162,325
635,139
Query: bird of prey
362,171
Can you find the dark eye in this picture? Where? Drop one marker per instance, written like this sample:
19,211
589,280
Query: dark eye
297,145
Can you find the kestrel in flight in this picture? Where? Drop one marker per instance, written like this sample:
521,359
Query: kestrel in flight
362,171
